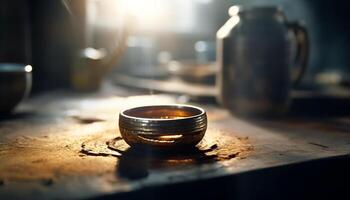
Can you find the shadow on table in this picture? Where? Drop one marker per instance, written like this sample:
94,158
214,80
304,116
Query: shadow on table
318,179
136,163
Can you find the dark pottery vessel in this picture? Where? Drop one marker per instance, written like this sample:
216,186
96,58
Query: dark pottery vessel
260,56
15,85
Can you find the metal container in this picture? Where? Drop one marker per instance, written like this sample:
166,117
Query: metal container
255,50
15,84
163,126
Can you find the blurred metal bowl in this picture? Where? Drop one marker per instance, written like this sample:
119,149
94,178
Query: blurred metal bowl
15,84
163,126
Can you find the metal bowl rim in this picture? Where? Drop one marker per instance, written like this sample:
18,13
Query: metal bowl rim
202,112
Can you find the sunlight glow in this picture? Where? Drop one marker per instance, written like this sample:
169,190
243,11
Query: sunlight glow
145,12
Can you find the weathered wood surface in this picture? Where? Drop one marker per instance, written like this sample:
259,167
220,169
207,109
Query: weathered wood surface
40,147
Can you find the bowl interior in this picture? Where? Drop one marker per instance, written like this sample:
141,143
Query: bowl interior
163,112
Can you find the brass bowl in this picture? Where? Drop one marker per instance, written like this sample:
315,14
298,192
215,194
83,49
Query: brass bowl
163,126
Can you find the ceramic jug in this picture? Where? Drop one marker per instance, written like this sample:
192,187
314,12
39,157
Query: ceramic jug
260,56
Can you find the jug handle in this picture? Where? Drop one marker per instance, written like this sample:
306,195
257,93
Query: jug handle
302,54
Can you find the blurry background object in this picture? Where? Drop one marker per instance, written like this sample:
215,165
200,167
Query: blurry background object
140,59
192,72
328,27
55,39
182,47
15,48
256,61
64,35
200,70
91,65
53,35
15,84
176,36
205,52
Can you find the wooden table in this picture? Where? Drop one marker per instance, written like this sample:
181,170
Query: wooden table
41,144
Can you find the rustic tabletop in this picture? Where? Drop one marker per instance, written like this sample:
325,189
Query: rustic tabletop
63,145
